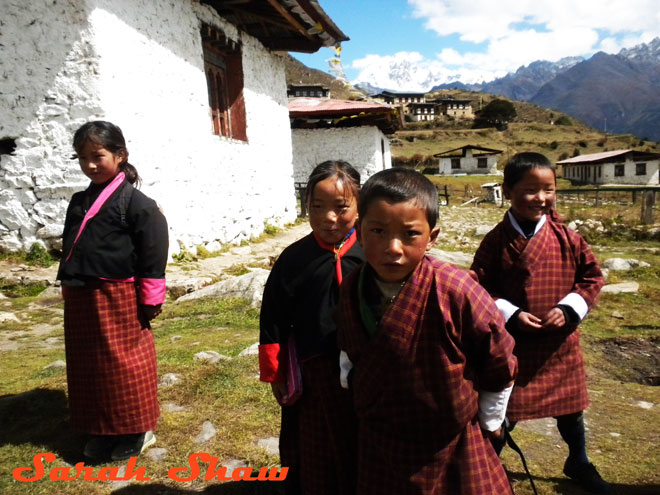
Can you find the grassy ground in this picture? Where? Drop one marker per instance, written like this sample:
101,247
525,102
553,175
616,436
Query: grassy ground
620,339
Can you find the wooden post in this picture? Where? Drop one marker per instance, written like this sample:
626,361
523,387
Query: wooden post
596,199
300,190
647,207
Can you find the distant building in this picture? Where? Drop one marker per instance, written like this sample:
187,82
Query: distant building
422,111
417,107
468,159
400,97
330,129
613,167
457,108
307,90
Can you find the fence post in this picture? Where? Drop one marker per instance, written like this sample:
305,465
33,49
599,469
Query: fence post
596,201
647,207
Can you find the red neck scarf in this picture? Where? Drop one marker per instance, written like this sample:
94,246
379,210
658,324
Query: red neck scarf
339,249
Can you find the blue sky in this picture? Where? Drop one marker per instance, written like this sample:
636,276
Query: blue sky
479,39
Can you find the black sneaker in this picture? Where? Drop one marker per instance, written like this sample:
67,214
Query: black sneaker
587,477
99,446
132,445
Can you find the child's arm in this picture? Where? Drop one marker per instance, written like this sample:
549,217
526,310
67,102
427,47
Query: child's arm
272,328
150,238
573,308
492,409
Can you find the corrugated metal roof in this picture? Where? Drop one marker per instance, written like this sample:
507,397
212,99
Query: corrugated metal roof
306,107
594,157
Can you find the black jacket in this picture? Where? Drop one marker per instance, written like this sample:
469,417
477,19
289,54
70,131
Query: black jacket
112,248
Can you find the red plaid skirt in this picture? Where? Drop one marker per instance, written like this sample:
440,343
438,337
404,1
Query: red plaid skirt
110,361
318,439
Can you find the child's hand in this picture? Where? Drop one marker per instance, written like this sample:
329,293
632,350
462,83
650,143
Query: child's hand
527,322
493,434
150,312
279,390
554,320
146,313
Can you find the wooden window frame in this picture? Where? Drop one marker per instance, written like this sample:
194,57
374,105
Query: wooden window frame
619,170
223,66
481,161
455,161
640,168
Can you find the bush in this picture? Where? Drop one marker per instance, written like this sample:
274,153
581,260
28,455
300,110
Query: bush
576,152
582,143
37,255
563,120
496,114
554,145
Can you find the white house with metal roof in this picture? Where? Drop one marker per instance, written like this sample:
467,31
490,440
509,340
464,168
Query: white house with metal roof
614,167
469,159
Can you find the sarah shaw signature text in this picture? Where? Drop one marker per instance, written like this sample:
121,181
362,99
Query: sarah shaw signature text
111,473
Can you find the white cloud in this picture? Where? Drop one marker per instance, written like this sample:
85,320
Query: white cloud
500,36
517,32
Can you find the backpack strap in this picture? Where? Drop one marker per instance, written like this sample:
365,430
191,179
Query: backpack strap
125,196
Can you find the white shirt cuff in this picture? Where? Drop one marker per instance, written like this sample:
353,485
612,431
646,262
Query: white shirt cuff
345,366
506,308
492,408
577,303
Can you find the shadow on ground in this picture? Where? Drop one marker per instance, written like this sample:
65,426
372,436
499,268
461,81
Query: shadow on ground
40,417
229,488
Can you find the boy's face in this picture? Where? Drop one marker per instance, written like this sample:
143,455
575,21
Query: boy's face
533,195
395,237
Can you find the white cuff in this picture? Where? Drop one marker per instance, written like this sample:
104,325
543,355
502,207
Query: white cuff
506,308
492,408
577,303
345,366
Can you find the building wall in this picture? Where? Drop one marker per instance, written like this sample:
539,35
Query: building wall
588,174
141,67
359,146
469,165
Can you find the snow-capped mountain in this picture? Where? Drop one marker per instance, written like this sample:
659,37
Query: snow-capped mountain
645,53
414,75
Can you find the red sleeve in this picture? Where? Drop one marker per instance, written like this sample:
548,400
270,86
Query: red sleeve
271,367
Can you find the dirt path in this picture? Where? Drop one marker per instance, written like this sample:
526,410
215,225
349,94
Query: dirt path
209,268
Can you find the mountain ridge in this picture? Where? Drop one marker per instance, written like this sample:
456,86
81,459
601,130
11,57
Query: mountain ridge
610,92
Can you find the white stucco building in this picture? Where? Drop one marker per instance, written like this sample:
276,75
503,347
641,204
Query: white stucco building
614,167
468,160
352,131
198,88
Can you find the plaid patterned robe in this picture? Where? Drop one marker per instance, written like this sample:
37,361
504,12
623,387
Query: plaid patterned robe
415,382
110,360
535,275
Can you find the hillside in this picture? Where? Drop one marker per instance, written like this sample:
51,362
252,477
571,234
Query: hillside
299,73
532,130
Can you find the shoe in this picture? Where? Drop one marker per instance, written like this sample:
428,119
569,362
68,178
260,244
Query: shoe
132,445
99,446
587,477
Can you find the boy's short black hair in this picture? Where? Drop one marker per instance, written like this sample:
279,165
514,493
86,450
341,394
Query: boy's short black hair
398,185
521,163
